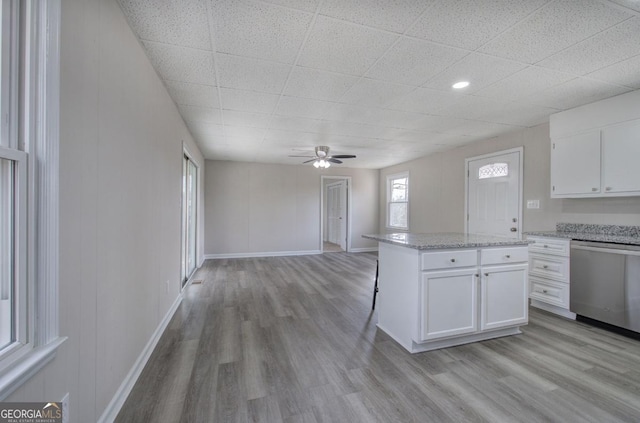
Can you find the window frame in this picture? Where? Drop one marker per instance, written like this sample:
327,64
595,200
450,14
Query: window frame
390,179
33,116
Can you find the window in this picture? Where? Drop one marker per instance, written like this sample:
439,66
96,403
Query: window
29,139
398,201
493,170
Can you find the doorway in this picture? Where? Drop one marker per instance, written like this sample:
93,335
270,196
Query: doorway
335,214
493,188
189,218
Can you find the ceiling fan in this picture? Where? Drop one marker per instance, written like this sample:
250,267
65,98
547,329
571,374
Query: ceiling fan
323,159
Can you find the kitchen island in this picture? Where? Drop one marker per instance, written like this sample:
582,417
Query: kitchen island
446,289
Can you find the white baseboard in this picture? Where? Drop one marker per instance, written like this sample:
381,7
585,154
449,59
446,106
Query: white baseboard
364,250
111,412
265,254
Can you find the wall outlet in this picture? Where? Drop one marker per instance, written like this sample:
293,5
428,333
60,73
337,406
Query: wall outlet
533,204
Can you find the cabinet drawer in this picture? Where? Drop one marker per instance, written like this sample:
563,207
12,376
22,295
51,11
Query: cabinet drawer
551,292
449,259
504,255
557,247
551,267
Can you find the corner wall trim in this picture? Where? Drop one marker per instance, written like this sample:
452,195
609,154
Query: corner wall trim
364,250
263,254
111,412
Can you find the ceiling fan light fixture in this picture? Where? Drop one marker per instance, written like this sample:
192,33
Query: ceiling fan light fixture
321,164
460,85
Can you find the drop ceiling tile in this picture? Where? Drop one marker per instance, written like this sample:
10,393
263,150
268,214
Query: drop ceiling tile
575,93
193,94
398,119
243,134
631,4
553,28
181,63
425,100
248,101
209,131
519,114
252,120
475,128
390,15
304,140
413,62
200,114
317,84
525,82
369,92
471,107
306,5
471,23
302,107
257,29
351,129
251,74
298,124
178,23
622,73
343,47
607,48
479,69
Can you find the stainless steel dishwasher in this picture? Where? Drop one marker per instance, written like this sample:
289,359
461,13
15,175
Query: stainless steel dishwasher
605,283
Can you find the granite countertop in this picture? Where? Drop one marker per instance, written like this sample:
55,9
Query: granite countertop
437,241
629,235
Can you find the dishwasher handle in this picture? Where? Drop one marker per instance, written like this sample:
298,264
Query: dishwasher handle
607,249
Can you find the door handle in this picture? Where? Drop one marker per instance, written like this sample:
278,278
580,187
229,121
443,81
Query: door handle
514,229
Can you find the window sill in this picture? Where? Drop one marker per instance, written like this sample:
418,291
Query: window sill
27,366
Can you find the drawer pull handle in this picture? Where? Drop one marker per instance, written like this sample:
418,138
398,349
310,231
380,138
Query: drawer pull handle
544,291
486,274
545,246
544,266
477,275
508,256
453,260
594,189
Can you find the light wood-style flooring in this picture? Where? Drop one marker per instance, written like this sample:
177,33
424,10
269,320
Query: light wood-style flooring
293,339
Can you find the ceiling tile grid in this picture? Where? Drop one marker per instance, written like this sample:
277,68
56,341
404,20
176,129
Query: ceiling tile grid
259,80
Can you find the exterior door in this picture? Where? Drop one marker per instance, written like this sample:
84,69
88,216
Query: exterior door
336,213
494,194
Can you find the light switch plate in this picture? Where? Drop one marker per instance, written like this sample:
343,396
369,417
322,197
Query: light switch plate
533,204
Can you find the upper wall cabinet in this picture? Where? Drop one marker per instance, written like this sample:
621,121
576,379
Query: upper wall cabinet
620,158
595,149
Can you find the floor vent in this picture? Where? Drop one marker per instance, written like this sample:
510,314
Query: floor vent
196,282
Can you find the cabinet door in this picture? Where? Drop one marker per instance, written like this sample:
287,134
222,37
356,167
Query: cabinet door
620,153
504,296
575,165
448,303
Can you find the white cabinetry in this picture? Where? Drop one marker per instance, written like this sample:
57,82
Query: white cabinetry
471,292
549,274
620,153
575,165
448,303
594,149
504,296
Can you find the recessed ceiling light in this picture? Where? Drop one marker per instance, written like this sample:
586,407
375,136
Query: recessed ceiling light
461,84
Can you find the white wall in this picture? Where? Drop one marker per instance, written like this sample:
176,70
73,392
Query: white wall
120,186
437,188
254,208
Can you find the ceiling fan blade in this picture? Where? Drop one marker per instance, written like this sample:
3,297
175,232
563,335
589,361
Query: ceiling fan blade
343,156
332,160
309,161
302,156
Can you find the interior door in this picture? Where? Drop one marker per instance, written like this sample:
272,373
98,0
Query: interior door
337,213
493,197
